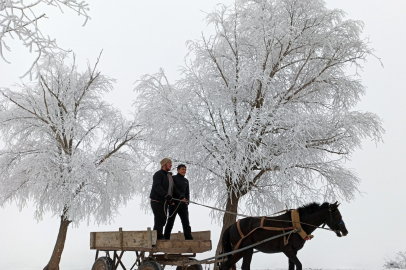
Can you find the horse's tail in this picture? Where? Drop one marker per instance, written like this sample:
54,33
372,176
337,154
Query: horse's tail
227,247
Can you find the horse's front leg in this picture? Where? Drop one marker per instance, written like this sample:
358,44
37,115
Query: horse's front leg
291,265
246,259
293,260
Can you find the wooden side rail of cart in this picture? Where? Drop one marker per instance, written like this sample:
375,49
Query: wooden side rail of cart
176,251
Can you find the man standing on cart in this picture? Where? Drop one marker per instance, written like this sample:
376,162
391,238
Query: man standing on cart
180,208
162,191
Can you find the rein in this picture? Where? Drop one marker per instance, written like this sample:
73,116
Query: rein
242,215
174,212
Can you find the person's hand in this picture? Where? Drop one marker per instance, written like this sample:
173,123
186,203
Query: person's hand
168,198
185,201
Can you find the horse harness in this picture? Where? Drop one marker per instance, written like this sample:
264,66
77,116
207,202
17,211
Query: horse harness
295,222
339,224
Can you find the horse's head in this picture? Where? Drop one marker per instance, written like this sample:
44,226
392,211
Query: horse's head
335,221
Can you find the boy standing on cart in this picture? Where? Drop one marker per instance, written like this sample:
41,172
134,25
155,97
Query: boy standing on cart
180,208
162,191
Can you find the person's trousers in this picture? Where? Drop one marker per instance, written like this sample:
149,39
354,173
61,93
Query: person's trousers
183,213
159,217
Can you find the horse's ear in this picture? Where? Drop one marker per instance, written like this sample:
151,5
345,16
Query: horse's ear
336,203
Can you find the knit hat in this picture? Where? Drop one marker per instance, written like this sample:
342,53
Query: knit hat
165,161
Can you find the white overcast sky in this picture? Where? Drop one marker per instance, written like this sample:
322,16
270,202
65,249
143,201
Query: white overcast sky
139,37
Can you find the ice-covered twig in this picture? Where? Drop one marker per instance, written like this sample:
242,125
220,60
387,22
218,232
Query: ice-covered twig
21,20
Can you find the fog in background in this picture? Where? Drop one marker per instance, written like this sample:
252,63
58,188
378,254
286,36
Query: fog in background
139,37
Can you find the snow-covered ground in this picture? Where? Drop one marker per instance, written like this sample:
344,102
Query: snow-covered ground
170,268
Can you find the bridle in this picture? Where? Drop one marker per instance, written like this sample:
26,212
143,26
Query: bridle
339,224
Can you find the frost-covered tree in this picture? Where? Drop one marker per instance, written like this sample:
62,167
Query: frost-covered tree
20,19
399,262
66,150
263,109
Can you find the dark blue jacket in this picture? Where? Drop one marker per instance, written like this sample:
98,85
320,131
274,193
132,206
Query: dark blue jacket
182,184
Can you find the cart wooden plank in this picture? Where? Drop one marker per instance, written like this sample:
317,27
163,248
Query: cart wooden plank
121,240
147,241
183,246
203,235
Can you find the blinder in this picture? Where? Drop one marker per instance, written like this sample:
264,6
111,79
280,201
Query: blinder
339,224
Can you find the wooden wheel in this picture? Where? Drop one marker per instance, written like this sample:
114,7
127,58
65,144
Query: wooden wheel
103,263
150,265
191,267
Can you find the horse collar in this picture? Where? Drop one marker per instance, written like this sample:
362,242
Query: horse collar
296,224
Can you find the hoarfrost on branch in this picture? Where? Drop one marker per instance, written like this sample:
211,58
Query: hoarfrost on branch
262,112
19,19
66,149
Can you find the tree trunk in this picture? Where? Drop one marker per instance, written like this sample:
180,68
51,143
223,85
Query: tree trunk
228,220
53,263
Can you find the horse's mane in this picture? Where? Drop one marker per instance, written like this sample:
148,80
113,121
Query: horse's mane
311,208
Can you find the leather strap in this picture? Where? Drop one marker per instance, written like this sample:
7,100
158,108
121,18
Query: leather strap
296,224
260,227
239,229
241,235
262,222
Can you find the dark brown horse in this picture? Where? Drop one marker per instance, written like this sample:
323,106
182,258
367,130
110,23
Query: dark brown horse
313,214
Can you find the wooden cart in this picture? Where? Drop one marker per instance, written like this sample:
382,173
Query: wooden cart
176,251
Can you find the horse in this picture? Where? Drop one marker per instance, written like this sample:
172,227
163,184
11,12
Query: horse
312,216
